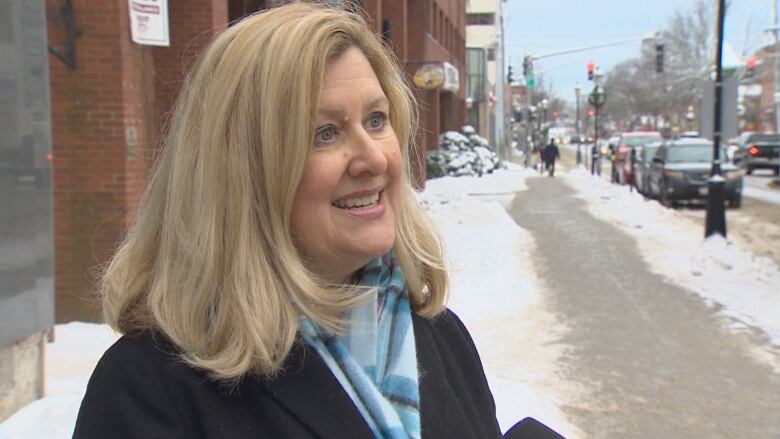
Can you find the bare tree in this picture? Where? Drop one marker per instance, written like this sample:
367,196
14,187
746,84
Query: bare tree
636,89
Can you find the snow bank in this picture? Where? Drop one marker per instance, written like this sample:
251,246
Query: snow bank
497,295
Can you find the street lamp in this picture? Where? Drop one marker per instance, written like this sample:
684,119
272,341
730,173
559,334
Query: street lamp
545,104
577,122
597,98
715,220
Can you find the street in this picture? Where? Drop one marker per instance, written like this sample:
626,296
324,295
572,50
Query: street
653,359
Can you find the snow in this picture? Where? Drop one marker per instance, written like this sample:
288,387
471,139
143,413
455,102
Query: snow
766,195
499,297
70,359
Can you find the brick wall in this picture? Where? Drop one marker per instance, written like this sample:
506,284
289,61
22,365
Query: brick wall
106,119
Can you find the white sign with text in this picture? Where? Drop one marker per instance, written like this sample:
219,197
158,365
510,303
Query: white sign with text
149,22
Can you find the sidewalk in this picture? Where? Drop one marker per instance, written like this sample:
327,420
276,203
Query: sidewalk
653,359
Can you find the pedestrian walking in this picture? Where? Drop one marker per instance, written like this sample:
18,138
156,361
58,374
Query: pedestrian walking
280,279
549,155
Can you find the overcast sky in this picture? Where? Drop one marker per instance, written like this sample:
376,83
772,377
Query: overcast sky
545,26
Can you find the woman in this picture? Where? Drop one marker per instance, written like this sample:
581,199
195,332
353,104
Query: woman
279,279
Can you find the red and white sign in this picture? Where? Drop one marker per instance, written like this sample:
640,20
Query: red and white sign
149,22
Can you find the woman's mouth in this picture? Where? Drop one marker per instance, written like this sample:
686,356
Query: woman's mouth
365,202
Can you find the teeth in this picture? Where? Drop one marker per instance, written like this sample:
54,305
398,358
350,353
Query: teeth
357,202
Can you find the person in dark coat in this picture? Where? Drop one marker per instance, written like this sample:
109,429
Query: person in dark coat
279,279
549,155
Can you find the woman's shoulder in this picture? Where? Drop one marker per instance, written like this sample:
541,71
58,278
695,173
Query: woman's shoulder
134,391
140,359
448,332
142,347
446,323
451,370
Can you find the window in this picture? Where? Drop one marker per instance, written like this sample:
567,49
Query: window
472,19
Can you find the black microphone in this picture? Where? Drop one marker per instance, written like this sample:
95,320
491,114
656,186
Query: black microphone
530,428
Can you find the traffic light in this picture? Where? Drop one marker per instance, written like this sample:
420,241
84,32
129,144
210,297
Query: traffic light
659,57
591,69
750,67
528,66
509,75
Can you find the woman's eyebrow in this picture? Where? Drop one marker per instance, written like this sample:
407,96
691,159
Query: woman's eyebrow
338,113
378,102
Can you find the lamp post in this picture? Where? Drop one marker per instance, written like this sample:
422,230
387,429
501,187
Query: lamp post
533,119
716,213
577,122
597,98
545,104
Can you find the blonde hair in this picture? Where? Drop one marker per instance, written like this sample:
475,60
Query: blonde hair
209,260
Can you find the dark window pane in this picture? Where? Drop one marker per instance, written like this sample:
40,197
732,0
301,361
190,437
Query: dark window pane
477,19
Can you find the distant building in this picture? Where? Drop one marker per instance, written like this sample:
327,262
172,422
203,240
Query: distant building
484,40
757,93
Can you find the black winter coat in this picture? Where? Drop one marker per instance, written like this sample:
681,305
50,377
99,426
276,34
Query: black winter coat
141,389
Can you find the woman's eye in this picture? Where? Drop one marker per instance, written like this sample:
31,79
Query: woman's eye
324,135
377,121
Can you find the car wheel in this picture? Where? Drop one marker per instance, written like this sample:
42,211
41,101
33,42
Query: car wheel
749,170
736,201
665,200
777,170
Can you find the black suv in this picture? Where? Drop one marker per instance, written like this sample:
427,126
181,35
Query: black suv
757,151
680,169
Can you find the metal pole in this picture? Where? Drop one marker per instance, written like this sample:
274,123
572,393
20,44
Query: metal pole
773,13
595,128
716,212
577,126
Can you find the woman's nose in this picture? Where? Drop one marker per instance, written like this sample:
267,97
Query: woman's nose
368,155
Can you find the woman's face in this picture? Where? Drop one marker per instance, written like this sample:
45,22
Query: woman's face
347,203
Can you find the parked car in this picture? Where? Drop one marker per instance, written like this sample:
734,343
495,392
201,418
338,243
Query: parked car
644,157
628,141
757,151
680,169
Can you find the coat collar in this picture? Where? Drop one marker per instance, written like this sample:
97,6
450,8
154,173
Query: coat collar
308,390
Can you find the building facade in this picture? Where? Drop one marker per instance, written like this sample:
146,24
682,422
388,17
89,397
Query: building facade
758,98
484,32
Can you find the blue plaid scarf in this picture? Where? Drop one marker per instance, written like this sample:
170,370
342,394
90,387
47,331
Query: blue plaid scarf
376,360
